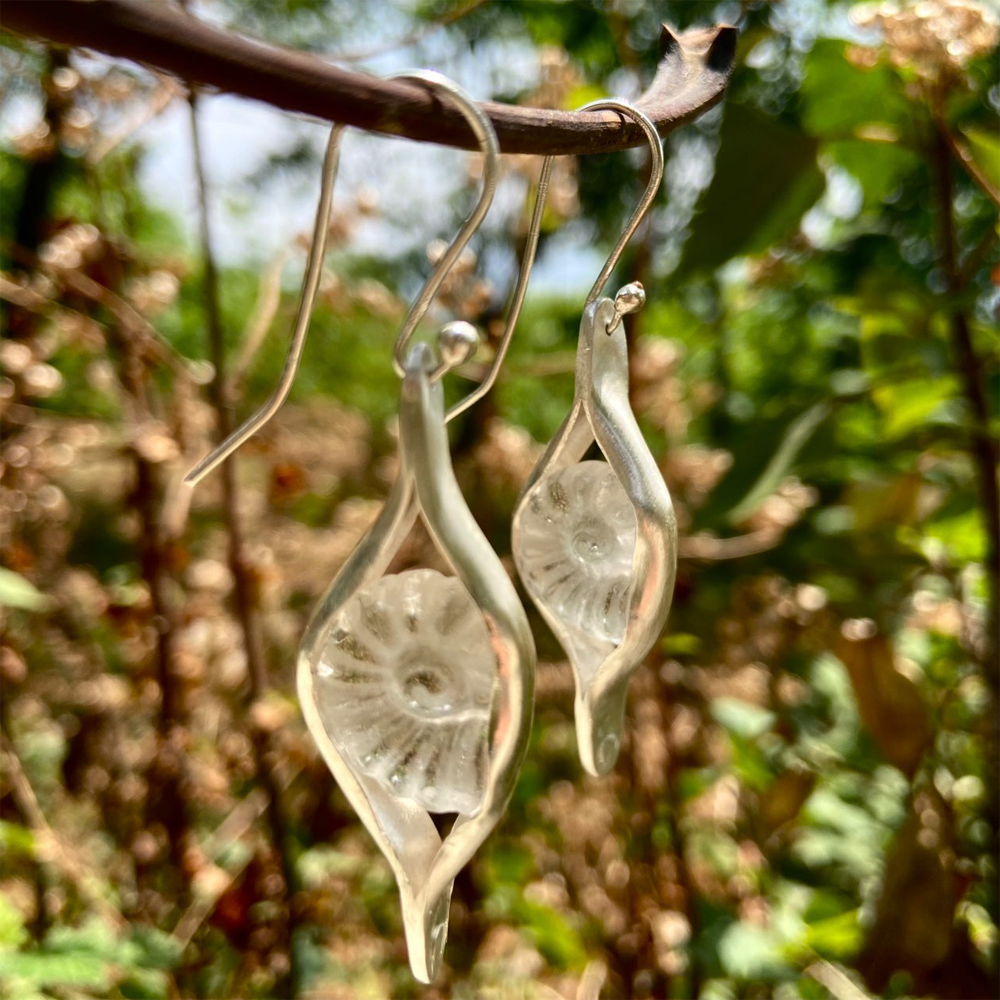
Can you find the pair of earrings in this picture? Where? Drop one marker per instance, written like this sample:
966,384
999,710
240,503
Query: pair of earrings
418,687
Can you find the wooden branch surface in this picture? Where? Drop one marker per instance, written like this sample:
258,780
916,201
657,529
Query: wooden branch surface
694,69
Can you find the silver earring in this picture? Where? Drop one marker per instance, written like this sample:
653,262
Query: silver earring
417,687
595,543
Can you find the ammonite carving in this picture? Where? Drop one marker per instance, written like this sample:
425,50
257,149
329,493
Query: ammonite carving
577,539
596,542
403,686
417,686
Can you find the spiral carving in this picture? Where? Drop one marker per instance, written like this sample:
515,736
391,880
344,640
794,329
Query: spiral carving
403,686
574,552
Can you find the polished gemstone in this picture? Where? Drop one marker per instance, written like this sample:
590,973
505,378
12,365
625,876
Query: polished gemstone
574,552
403,687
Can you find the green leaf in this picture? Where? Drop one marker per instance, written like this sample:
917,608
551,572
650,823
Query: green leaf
12,932
879,167
861,114
552,934
913,403
70,968
962,535
146,984
841,100
741,717
17,592
798,433
680,644
750,952
749,763
155,948
985,148
837,937
16,839
766,177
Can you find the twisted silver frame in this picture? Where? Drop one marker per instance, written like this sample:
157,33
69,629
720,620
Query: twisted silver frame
601,412
425,866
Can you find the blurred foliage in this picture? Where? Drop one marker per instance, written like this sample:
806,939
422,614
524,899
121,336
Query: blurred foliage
806,806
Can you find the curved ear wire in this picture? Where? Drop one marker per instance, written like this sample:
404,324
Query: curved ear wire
608,614
307,298
628,300
655,178
517,299
486,137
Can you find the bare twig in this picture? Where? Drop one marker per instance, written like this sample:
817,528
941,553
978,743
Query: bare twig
693,74
710,548
975,258
167,89
830,977
268,299
243,583
982,448
963,154
54,848
234,826
136,344
33,301
595,975
131,321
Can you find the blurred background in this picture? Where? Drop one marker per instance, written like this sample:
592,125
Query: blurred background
806,804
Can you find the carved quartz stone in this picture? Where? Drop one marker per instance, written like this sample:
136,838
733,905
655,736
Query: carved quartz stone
403,686
577,538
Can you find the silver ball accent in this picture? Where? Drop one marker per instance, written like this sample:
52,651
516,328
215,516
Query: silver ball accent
630,298
457,342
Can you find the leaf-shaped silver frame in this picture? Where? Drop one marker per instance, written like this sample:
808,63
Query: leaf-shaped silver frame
601,412
424,865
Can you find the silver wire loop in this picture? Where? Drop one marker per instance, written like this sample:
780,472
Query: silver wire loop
486,137
517,298
482,128
634,296
649,195
307,298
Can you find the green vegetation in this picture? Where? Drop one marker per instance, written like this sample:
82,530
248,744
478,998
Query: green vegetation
807,802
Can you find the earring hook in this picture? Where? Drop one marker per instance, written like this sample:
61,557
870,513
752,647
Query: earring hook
307,297
517,298
649,195
629,299
486,137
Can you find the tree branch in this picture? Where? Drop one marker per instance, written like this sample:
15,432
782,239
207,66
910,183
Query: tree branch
244,601
983,451
963,154
693,73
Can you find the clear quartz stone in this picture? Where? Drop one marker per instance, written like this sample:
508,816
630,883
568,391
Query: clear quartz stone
404,685
577,539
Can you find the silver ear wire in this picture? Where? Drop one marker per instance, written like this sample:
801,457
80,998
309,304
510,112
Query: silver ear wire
517,299
307,298
649,195
629,299
490,148
595,543
486,137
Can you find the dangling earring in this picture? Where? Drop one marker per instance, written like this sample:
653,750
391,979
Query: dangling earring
418,687
595,543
